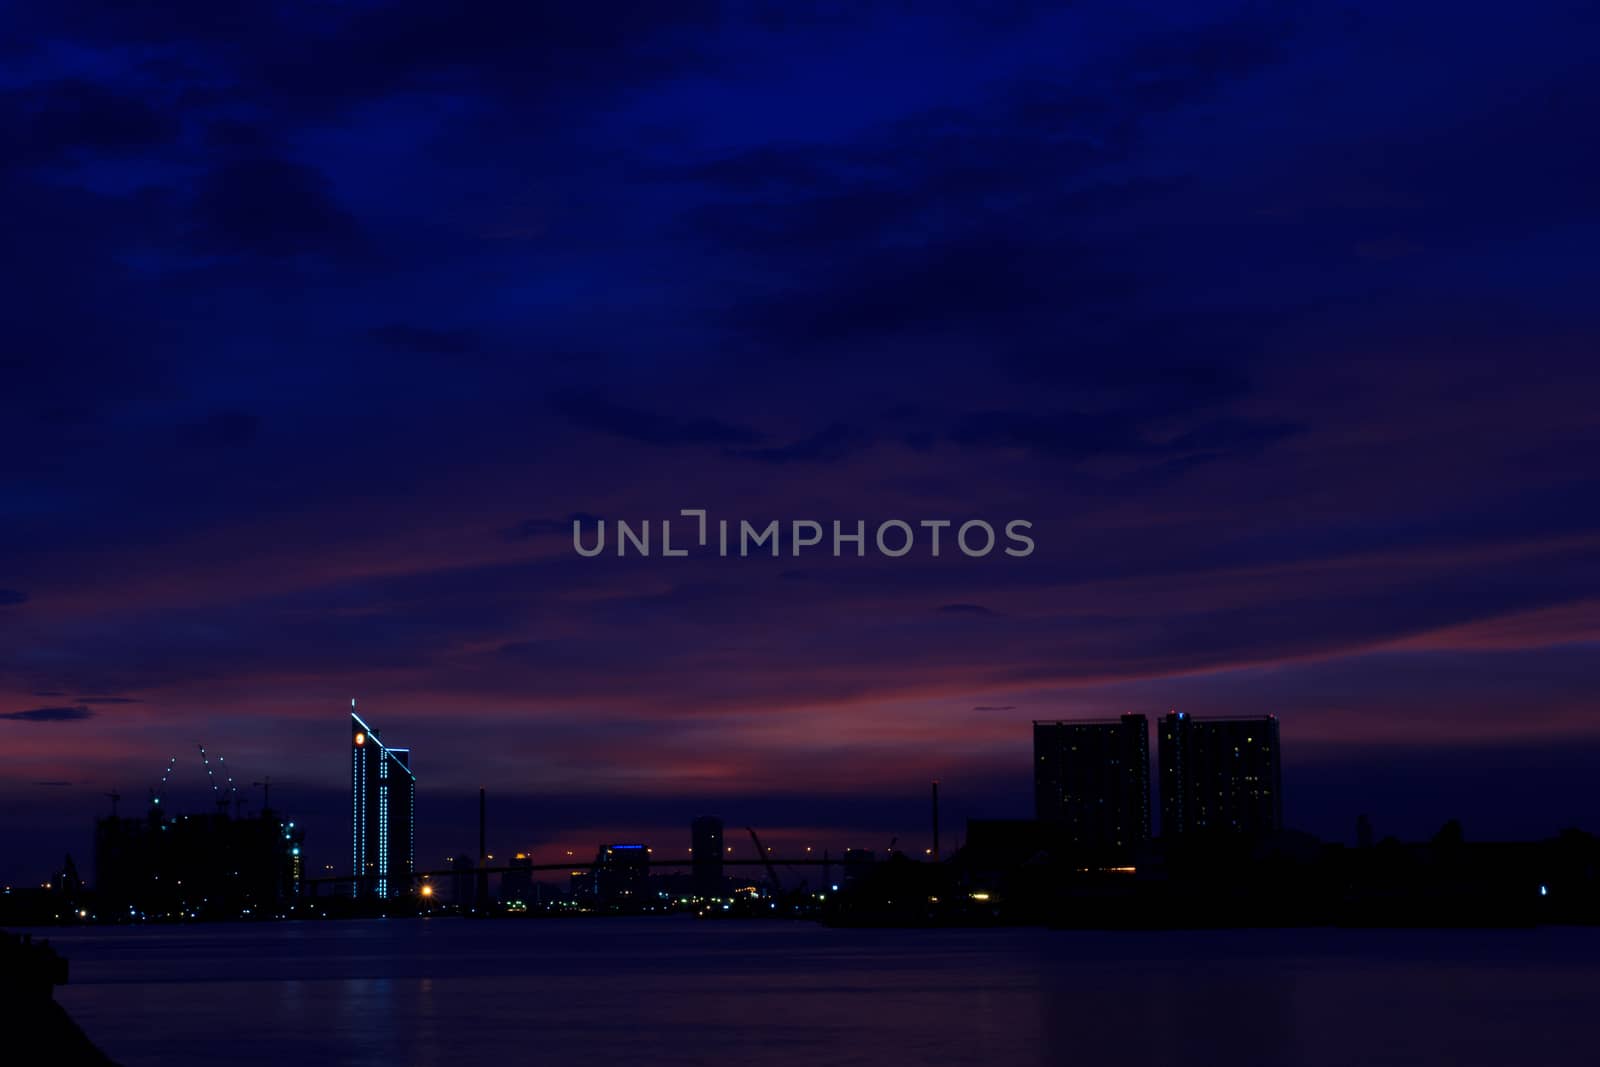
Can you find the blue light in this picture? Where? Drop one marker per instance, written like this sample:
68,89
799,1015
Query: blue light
1544,891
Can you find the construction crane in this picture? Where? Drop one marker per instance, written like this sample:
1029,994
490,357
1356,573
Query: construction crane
159,791
114,796
766,861
223,789
222,799
265,786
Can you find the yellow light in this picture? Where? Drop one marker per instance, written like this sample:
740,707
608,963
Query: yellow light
361,738
427,890
980,896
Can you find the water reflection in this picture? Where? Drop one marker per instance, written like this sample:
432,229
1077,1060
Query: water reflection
678,991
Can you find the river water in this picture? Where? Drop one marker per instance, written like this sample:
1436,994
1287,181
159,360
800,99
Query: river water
681,991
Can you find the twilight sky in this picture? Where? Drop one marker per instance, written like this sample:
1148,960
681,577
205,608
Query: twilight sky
319,322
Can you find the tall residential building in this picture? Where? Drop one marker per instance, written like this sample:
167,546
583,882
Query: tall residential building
383,813
622,876
516,885
1220,776
1091,782
705,839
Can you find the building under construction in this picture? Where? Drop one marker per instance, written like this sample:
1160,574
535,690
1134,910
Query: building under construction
215,865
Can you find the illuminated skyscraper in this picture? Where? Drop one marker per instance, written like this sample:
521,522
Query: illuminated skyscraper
383,813
1220,776
1091,782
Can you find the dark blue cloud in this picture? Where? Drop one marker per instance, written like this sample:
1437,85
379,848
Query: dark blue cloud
226,429
593,411
529,528
72,713
273,207
427,340
831,444
72,117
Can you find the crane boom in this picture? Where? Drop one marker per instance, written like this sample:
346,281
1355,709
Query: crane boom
766,861
224,790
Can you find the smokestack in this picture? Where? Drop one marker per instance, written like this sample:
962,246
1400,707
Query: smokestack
480,897
936,820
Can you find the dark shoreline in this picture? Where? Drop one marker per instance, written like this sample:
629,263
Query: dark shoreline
55,1030
29,972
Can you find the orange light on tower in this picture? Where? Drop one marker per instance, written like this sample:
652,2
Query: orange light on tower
361,738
